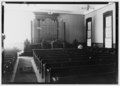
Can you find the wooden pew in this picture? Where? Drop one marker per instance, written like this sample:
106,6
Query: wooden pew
103,78
7,65
59,59
55,57
78,70
52,60
49,64
64,62
55,54
52,53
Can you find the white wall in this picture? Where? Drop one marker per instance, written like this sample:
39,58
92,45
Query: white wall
97,23
74,27
16,27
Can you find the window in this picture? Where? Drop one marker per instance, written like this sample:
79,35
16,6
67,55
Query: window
89,28
108,26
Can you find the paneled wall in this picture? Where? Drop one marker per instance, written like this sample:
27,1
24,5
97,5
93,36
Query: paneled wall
45,27
74,27
49,27
97,24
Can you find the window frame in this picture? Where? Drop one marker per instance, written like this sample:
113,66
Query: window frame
107,14
88,20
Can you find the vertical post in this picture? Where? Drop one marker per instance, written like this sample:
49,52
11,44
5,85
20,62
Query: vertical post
57,29
117,40
2,17
2,23
31,33
64,29
64,32
2,31
39,31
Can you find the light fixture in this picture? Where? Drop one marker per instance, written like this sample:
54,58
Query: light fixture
88,7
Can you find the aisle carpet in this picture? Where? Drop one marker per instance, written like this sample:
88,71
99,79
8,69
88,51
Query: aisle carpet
22,76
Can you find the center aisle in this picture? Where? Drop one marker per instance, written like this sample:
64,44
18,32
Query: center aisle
23,77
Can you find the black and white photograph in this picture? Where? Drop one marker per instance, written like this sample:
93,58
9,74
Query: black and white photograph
59,42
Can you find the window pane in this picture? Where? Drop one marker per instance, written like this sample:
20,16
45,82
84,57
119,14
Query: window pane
89,25
108,21
88,42
108,32
89,34
108,43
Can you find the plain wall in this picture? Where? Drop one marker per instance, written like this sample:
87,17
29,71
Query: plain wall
74,27
97,23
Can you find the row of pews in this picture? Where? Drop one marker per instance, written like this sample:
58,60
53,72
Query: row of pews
26,53
74,66
8,61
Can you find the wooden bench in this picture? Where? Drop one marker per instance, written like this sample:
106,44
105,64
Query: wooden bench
48,64
59,62
100,78
64,62
7,65
39,59
78,70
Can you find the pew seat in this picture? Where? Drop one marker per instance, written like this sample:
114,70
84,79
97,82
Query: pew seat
79,70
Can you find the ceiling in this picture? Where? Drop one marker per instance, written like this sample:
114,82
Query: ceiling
57,8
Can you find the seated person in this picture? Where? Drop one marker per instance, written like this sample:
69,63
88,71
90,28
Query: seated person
80,46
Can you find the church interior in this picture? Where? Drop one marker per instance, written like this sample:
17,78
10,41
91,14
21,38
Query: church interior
70,43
